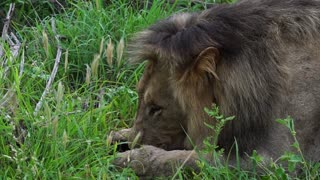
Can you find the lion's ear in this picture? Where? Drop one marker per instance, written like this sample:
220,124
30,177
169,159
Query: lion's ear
207,61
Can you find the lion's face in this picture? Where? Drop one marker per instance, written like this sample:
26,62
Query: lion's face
160,119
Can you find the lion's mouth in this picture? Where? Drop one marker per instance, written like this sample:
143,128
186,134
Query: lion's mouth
122,147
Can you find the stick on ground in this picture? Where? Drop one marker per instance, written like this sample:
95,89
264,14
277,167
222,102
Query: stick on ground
54,70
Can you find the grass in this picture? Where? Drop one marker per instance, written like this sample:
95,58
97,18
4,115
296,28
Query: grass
92,94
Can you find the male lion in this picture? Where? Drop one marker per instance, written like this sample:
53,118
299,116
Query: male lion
257,60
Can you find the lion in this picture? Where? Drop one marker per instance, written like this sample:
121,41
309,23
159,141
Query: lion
256,60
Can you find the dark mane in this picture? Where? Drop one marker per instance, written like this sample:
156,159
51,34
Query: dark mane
231,28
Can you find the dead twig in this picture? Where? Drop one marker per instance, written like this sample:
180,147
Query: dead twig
54,70
8,100
4,34
15,46
22,64
12,40
7,21
5,101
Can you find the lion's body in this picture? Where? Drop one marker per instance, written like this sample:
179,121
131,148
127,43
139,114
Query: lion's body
304,99
257,60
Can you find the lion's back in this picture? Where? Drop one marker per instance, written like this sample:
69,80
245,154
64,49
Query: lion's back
304,98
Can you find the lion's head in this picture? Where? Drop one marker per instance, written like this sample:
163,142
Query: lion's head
160,119
175,87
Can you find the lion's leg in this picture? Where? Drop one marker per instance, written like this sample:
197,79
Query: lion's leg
152,161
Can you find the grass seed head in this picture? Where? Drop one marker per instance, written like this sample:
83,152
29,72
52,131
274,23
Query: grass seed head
66,60
64,139
120,49
60,93
101,46
95,66
109,50
45,42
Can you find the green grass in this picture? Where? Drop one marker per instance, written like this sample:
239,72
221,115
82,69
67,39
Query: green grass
67,139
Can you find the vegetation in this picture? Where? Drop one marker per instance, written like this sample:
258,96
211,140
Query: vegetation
92,93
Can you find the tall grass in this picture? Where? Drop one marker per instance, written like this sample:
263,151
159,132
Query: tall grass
91,94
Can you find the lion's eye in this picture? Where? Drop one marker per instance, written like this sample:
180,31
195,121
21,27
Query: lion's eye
154,110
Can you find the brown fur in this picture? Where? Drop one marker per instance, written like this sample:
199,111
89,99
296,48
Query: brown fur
257,60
